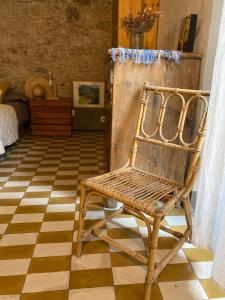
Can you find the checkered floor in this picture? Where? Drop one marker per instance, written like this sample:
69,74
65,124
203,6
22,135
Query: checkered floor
39,202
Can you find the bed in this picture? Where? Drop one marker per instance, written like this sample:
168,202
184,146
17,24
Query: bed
14,116
20,103
8,127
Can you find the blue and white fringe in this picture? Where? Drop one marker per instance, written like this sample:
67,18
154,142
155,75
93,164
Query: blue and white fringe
142,56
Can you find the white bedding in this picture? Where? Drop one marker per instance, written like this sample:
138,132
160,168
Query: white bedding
8,127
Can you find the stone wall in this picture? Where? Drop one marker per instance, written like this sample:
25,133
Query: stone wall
70,38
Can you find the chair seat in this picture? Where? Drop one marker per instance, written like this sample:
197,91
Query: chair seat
134,187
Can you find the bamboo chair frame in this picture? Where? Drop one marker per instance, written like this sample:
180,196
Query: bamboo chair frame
140,191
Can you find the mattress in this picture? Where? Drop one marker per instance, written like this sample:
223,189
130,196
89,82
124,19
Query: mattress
8,127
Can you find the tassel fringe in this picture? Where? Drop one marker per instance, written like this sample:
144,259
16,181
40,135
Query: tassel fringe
146,57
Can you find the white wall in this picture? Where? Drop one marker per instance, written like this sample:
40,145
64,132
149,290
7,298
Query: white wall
169,25
209,14
209,41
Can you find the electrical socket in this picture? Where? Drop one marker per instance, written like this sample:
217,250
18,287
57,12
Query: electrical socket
103,119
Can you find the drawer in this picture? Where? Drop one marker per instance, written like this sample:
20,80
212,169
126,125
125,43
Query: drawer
50,115
51,103
51,109
51,127
51,121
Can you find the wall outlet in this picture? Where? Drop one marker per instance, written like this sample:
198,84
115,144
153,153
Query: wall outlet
103,119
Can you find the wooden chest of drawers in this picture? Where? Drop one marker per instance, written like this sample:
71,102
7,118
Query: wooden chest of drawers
51,117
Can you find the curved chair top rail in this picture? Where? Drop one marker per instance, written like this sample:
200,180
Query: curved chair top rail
176,90
185,97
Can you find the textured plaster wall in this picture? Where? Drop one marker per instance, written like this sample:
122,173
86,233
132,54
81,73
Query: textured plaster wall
209,12
68,37
169,25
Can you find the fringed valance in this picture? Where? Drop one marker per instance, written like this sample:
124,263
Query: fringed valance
142,56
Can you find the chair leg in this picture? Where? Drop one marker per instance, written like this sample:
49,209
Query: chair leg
188,215
153,243
82,215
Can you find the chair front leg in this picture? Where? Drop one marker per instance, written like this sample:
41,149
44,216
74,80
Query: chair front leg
82,214
153,243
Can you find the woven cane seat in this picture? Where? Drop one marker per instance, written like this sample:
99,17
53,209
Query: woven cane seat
133,187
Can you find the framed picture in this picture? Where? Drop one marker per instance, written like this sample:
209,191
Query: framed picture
188,33
88,94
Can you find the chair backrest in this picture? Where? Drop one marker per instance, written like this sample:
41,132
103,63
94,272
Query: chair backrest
182,101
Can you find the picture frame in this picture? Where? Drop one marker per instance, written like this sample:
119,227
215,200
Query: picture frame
188,33
88,94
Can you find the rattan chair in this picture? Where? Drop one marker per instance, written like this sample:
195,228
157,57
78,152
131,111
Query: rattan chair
140,191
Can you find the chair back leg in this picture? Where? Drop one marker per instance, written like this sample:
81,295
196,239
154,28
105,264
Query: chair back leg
188,215
82,214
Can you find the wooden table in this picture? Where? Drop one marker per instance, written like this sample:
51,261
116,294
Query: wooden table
51,117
